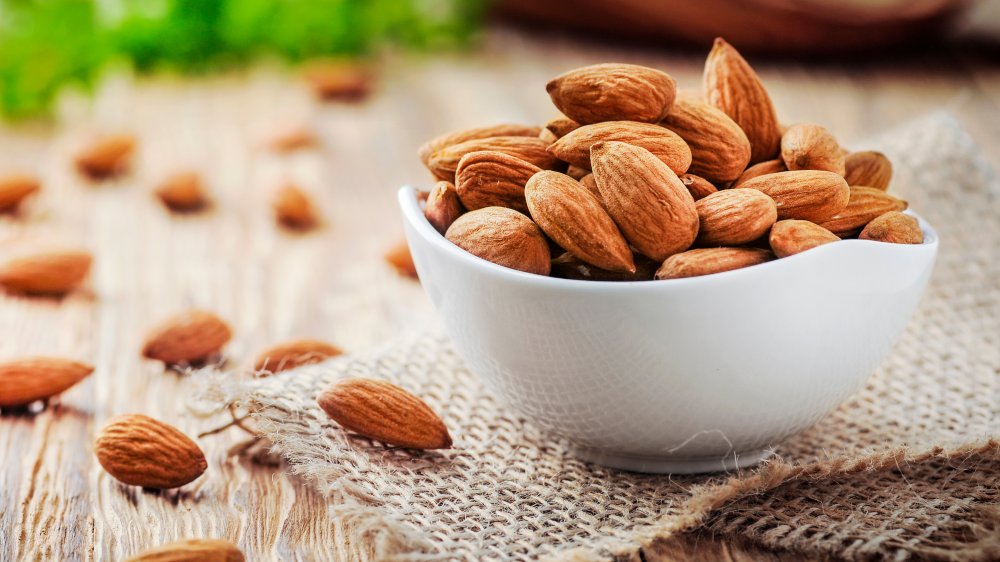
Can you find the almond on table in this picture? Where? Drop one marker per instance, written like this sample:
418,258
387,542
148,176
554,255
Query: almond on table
398,256
141,451
190,336
294,209
192,550
49,273
26,380
15,188
183,192
295,353
106,156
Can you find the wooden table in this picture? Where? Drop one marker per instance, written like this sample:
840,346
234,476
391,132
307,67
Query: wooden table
57,502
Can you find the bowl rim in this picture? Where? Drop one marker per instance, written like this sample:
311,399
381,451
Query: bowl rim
414,216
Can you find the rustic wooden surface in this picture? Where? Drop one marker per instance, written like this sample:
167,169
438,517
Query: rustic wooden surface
57,503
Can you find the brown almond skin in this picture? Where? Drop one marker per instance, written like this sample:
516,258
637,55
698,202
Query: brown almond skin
23,381
15,188
734,87
812,195
399,257
141,451
52,273
720,149
734,216
548,136
192,550
338,79
444,162
577,172
561,126
292,139
866,204
663,143
502,236
868,168
568,266
191,336
697,186
705,261
183,192
292,354
456,137
790,237
759,169
571,216
806,146
384,412
613,92
293,209
106,156
443,206
893,227
645,198
493,179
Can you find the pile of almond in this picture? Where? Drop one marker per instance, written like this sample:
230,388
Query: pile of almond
637,181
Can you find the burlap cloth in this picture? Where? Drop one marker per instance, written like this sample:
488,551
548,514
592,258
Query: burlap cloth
907,469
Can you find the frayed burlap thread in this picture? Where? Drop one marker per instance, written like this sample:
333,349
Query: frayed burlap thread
909,468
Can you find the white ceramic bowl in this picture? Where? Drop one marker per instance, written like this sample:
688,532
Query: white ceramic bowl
686,375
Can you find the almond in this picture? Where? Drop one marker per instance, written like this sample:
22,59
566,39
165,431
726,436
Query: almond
444,162
443,206
806,146
613,92
106,156
189,337
457,137
140,451
192,550
561,126
290,139
23,381
401,260
548,136
705,261
720,150
183,192
734,216
493,179
292,354
293,209
54,273
893,227
571,216
502,236
590,183
338,79
646,199
577,172
790,237
384,412
663,143
759,169
812,195
568,266
697,186
14,188
868,168
732,86
866,204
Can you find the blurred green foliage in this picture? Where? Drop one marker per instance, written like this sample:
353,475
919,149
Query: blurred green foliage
45,44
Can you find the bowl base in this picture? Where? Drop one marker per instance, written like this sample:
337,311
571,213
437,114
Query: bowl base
673,465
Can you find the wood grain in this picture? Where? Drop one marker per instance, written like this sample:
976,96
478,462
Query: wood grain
57,503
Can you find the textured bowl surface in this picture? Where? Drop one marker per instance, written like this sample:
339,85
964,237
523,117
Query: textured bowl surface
685,375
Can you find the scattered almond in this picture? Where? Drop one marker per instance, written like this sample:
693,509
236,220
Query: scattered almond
732,86
14,188
790,237
571,216
502,236
457,137
23,381
290,139
292,354
400,259
812,195
106,156
868,168
294,210
613,92
384,412
806,146
866,204
734,216
188,337
444,162
661,142
705,261
493,179
759,169
720,150
54,273
345,80
183,192
893,227
697,186
141,451
192,550
443,206
646,199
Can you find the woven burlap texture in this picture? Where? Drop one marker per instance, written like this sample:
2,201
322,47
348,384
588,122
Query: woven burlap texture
907,469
